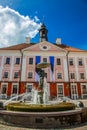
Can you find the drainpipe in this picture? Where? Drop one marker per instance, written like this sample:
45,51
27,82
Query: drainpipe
68,72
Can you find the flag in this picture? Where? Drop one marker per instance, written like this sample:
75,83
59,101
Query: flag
38,59
51,58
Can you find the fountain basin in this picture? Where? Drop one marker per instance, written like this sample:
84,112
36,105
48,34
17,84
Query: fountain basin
63,106
42,119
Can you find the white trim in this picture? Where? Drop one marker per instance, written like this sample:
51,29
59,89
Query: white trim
44,43
74,96
65,69
23,74
5,95
2,67
62,87
76,67
12,95
11,68
81,89
85,67
29,84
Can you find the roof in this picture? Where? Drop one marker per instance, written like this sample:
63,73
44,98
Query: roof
25,45
18,46
69,48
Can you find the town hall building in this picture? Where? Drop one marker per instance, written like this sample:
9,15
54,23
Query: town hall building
66,75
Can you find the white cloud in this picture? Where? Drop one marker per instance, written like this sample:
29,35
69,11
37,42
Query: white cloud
14,27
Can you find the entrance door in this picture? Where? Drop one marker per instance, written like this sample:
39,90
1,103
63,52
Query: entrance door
74,93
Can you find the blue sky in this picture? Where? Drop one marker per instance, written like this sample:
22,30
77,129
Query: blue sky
66,19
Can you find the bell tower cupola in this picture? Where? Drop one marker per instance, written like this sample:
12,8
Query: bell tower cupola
43,33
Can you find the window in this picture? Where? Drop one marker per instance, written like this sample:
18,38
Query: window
7,60
82,76
44,47
29,88
5,74
45,60
16,75
30,60
60,90
71,62
17,60
59,75
4,89
84,89
73,89
14,91
80,62
30,75
72,75
58,61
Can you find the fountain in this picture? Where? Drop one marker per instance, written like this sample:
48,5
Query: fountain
38,111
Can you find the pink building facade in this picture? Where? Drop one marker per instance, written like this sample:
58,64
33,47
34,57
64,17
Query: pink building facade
66,75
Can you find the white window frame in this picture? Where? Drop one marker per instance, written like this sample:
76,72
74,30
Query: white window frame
71,62
60,74
71,74
83,74
17,62
75,95
7,62
45,59
16,72
27,84
82,90
80,62
28,75
58,63
5,95
58,84
31,63
12,95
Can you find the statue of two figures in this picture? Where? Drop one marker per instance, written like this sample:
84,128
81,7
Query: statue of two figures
42,94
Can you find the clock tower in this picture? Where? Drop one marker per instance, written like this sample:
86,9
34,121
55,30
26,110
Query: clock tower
43,33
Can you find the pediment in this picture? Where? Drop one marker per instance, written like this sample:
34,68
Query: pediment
44,46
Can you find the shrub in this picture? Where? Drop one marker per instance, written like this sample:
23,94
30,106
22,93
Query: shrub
40,108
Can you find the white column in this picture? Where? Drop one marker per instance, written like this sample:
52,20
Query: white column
23,71
85,67
1,68
65,69
76,67
11,69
